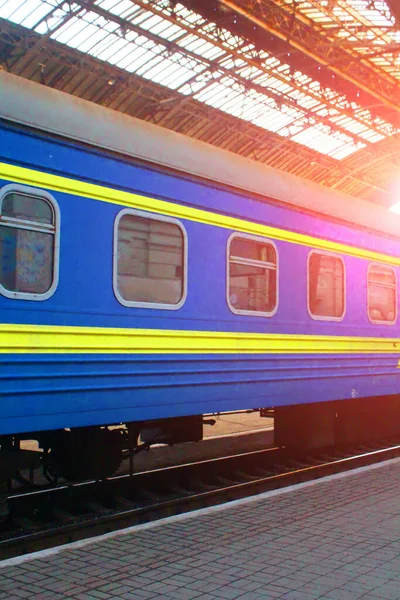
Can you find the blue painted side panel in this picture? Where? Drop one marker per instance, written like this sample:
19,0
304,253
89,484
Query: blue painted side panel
85,296
68,391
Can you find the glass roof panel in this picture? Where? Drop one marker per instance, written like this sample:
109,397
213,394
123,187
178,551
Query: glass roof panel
9,10
366,26
318,137
38,12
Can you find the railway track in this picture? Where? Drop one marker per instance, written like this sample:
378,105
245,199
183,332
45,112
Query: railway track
58,515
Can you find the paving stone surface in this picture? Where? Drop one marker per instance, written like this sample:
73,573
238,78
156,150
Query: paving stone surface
334,540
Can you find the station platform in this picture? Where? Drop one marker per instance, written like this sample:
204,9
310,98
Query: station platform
334,538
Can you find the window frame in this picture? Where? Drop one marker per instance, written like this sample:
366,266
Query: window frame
262,240
14,223
376,321
155,217
334,255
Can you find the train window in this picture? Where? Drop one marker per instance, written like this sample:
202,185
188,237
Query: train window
150,260
326,286
382,306
28,243
252,275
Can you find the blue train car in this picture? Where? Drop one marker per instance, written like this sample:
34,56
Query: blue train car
147,279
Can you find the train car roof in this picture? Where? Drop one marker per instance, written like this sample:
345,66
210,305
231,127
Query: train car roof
39,107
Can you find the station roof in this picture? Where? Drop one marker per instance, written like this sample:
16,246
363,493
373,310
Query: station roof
308,86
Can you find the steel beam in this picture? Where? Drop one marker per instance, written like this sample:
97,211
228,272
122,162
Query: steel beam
286,24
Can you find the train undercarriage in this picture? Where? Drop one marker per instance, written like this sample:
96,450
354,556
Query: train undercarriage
97,452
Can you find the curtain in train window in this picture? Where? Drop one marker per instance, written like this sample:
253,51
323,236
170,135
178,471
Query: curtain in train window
325,286
381,294
252,276
150,261
27,244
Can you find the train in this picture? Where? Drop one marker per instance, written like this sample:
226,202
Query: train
148,280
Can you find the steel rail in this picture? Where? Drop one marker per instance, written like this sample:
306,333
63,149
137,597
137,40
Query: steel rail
186,500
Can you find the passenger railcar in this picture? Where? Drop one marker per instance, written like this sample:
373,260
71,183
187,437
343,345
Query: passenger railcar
147,279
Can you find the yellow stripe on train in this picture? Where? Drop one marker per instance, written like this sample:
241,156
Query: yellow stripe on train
47,181
50,339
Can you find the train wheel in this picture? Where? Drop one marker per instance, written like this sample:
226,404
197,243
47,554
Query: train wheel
87,453
3,501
